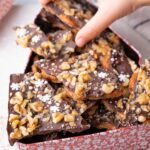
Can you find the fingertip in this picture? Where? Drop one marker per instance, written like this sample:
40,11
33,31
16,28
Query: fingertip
44,2
80,41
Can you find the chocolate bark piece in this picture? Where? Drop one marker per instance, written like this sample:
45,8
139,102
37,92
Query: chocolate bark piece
49,69
120,108
111,58
49,22
101,118
35,109
64,44
49,46
139,100
25,104
83,77
72,13
112,38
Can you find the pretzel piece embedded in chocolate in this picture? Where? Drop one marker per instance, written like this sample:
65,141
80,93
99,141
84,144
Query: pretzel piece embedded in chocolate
83,77
70,12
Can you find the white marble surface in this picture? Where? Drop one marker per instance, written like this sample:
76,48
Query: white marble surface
13,58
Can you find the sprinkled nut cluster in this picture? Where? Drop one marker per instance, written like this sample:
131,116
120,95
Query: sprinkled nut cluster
33,103
23,93
66,113
81,75
31,36
108,88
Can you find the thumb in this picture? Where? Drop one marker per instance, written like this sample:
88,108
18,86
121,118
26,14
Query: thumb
106,14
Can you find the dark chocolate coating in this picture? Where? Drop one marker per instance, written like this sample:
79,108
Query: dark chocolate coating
43,92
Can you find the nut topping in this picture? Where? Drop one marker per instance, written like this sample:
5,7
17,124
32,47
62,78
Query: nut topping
108,88
37,106
57,117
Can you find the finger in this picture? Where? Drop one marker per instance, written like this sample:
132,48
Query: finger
94,27
43,2
107,13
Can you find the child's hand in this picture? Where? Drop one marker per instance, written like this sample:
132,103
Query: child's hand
108,12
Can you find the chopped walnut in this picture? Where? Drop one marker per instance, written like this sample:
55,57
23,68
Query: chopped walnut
83,56
144,108
80,88
16,134
72,124
65,66
24,103
31,128
143,99
59,96
19,96
133,65
69,118
65,76
23,41
138,111
15,123
39,51
47,45
32,125
13,117
141,119
108,88
120,104
75,113
57,117
92,65
29,95
24,131
17,108
23,121
82,107
73,81
37,106
84,77
15,100
37,76
126,82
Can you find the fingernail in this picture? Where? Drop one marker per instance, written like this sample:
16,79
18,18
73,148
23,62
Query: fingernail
80,42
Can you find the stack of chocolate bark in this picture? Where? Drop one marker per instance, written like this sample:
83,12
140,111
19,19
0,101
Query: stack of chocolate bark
71,90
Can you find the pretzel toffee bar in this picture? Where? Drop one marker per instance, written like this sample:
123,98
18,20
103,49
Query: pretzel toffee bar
80,74
67,90
48,46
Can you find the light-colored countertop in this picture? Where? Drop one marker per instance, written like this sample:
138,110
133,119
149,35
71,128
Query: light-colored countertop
13,58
